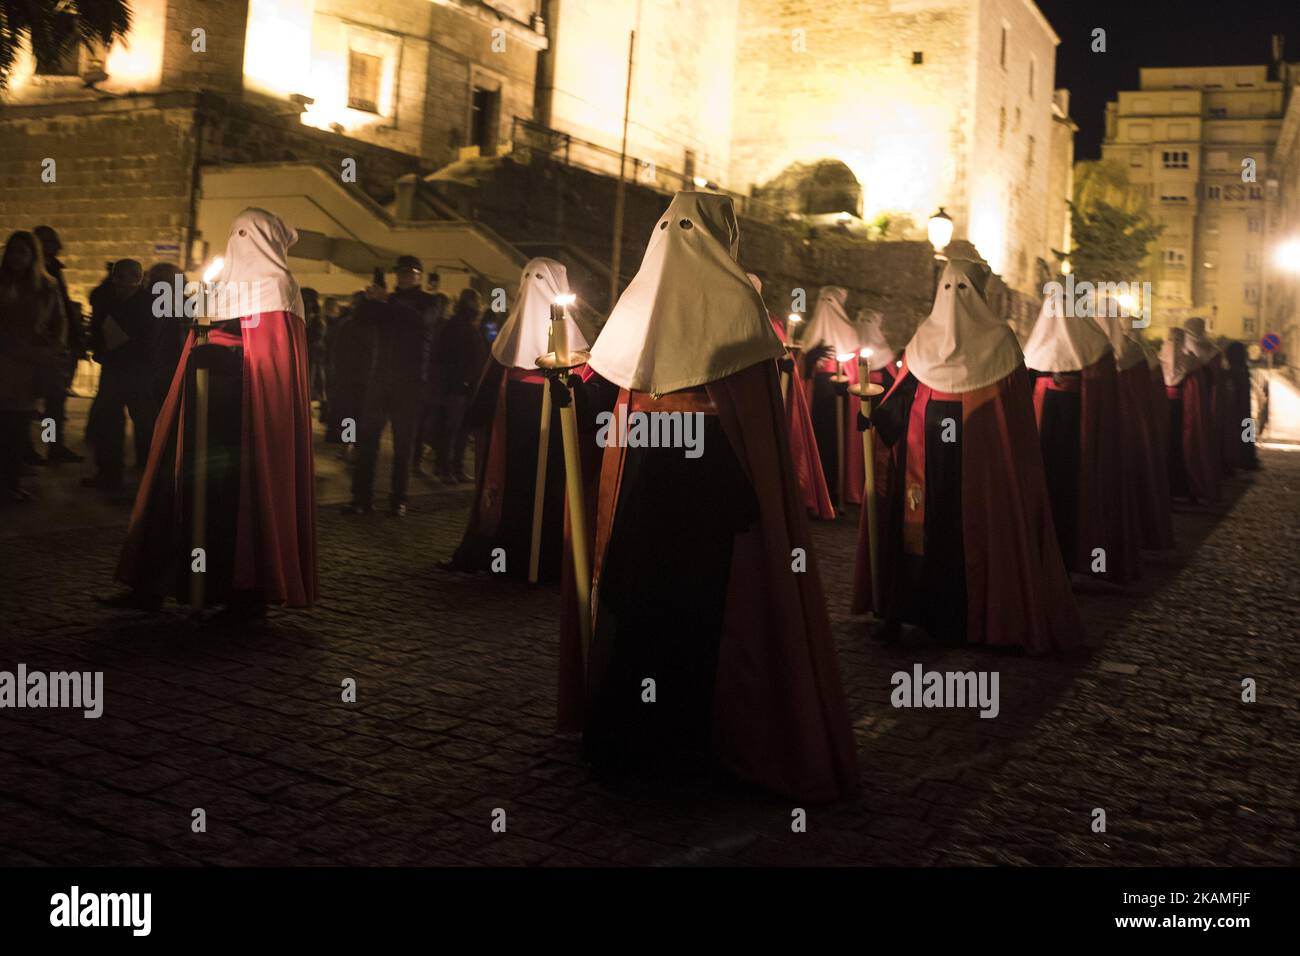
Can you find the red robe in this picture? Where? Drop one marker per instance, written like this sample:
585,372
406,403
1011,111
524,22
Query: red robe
275,532
1202,435
780,718
803,444
1107,506
1144,454
1017,590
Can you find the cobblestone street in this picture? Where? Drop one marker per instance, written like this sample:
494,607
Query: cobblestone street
456,689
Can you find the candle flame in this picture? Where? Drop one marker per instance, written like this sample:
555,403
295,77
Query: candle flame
566,298
795,317
865,353
214,270
898,364
846,357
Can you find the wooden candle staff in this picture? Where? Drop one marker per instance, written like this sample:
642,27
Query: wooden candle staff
865,391
199,486
558,366
840,381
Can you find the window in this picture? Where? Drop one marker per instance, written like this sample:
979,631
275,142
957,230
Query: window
364,74
1254,224
1176,258
1002,56
1033,63
1173,197
1002,126
1252,261
1248,325
1218,112
1251,293
1213,192
918,57
1175,159
1256,192
688,166
1029,156
483,119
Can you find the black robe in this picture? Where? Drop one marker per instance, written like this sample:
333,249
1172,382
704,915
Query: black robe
1059,434
662,596
926,590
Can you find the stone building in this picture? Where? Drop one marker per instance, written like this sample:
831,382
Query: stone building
1281,309
872,108
1199,143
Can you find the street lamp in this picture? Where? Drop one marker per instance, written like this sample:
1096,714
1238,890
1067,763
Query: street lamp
1288,256
940,232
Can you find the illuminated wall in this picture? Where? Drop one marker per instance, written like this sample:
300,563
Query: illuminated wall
909,94
682,78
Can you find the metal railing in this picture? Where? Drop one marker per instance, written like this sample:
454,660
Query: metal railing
529,140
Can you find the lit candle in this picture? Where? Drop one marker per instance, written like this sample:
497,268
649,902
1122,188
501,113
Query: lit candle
864,366
560,329
844,360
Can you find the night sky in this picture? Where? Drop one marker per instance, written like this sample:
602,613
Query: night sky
1156,33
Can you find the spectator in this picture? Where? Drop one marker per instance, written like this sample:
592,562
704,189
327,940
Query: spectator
396,338
123,345
349,365
459,355
31,323
56,378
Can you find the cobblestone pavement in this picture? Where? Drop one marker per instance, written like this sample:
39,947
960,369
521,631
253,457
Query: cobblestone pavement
456,678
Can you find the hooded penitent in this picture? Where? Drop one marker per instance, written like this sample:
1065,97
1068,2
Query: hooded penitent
1076,402
1198,343
967,546
830,324
525,334
1142,433
831,329
691,558
505,416
1213,369
803,440
654,340
1194,441
255,274
872,325
261,511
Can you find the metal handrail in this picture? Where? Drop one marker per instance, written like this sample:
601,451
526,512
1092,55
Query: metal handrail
527,136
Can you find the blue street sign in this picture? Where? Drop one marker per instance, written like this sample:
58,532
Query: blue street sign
1270,342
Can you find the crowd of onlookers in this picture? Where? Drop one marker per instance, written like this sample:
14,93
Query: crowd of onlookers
407,360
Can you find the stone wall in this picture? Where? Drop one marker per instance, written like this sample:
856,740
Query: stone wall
123,179
221,66
125,170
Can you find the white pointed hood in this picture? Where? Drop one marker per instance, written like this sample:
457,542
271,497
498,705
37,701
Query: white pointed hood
1175,360
871,326
962,346
690,315
1063,343
1198,344
830,323
255,276
1128,348
525,334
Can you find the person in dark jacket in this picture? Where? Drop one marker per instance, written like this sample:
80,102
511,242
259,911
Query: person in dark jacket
396,338
459,355
31,316
345,380
123,338
55,381
1239,402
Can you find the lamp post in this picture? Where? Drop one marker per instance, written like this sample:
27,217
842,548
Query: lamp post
939,230
199,486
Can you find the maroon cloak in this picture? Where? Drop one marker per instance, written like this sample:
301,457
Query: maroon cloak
1144,454
1017,590
275,531
1106,515
780,718
803,443
1202,436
